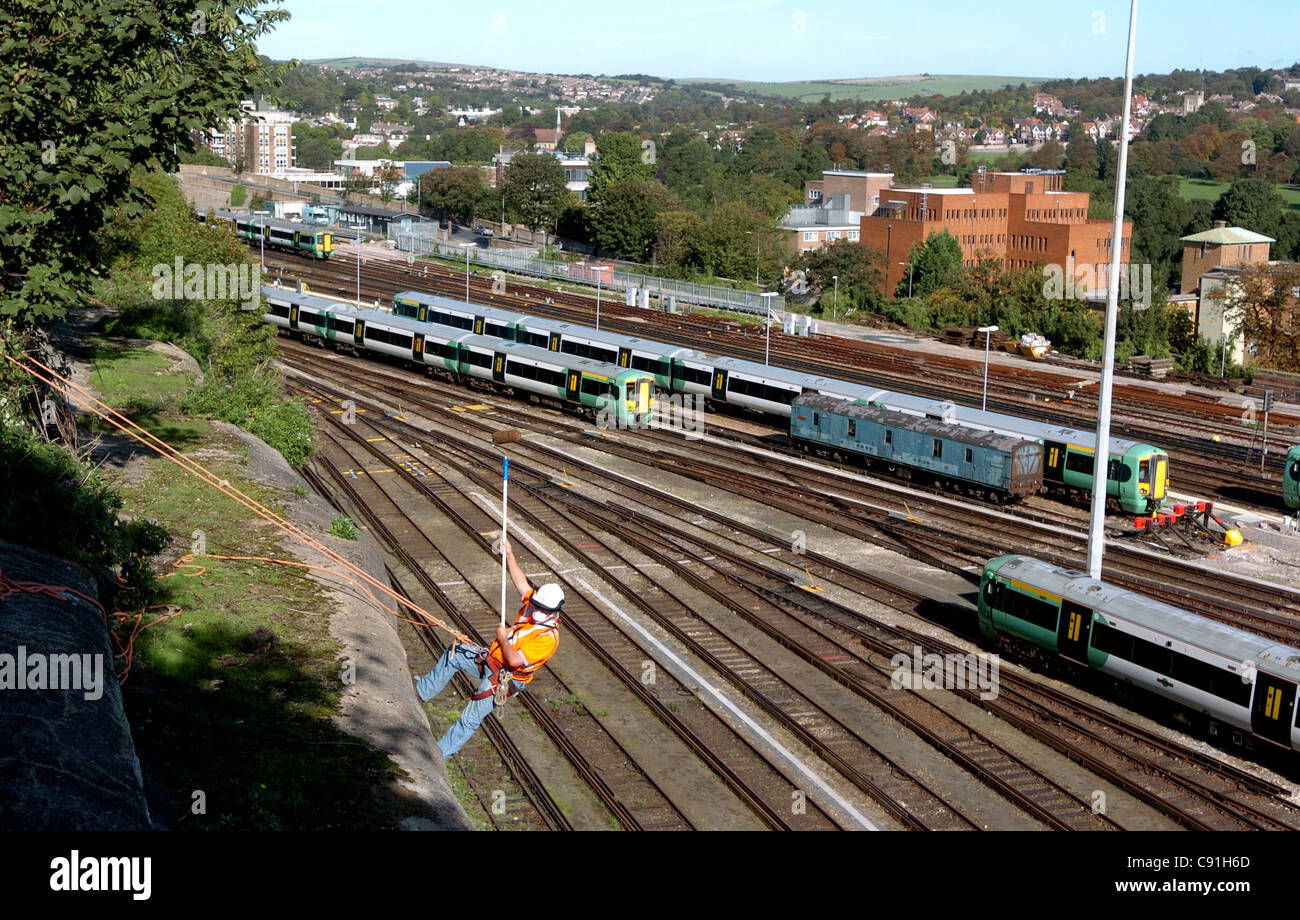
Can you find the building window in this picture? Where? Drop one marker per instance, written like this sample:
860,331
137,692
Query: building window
810,236
832,235
853,234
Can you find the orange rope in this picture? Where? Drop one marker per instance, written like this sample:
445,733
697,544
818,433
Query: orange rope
88,401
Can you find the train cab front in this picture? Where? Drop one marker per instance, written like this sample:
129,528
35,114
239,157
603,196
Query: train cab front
1291,479
1153,478
638,402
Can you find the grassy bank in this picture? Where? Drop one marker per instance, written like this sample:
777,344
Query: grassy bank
230,700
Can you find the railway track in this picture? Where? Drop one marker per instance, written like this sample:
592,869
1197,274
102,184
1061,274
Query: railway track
1187,812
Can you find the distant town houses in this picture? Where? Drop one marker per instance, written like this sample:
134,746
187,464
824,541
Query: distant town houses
1047,103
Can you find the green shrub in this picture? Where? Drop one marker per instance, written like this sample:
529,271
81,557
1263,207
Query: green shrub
342,526
287,426
238,195
62,506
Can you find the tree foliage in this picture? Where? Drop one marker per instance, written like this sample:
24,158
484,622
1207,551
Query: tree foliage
1266,308
936,263
457,193
95,91
535,188
623,221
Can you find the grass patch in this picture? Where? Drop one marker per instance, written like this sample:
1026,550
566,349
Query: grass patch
133,376
1209,190
232,697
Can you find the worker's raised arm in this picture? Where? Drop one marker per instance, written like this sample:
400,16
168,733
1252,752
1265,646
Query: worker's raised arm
517,575
509,654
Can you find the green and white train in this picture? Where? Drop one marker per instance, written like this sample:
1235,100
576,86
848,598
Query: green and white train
623,396
1137,475
1234,677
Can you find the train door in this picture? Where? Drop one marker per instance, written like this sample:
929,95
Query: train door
624,357
326,244
417,347
1054,467
293,317
423,314
498,365
1074,630
1159,476
478,325
643,398
359,333
719,385
572,386
1273,708
554,343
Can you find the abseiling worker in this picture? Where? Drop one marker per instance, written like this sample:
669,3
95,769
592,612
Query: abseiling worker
517,654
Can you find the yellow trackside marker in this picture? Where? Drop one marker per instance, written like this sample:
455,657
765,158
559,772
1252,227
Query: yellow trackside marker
459,409
812,583
341,411
910,515
372,440
1233,538
479,407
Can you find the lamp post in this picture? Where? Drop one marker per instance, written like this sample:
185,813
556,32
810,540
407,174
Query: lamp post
598,274
358,268
910,269
835,309
758,248
467,246
767,306
988,334
261,240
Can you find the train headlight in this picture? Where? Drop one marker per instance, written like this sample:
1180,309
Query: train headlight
631,405
1142,490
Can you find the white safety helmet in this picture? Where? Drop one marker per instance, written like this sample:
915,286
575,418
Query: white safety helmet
546,603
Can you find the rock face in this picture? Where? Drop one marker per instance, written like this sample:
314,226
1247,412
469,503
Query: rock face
66,757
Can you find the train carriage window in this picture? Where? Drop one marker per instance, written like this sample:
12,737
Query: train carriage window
995,594
853,428
817,419
1032,610
970,455
480,359
889,436
1144,471
280,309
598,388
1151,656
344,326
701,376
496,330
518,369
1295,474
938,448
1076,462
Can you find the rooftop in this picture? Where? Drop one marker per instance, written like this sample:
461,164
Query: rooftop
1228,235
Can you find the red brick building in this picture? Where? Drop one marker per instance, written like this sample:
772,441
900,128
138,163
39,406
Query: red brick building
1024,219
1220,247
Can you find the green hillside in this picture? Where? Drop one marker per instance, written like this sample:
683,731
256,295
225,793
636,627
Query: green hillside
876,88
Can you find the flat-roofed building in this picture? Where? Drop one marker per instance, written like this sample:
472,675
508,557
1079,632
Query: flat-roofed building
811,226
1023,219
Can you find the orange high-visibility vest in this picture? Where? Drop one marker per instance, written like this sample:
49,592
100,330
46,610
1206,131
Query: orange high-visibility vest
535,642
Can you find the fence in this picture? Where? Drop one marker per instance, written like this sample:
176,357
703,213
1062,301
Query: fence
426,241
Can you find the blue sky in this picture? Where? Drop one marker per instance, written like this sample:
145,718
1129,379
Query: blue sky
799,39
